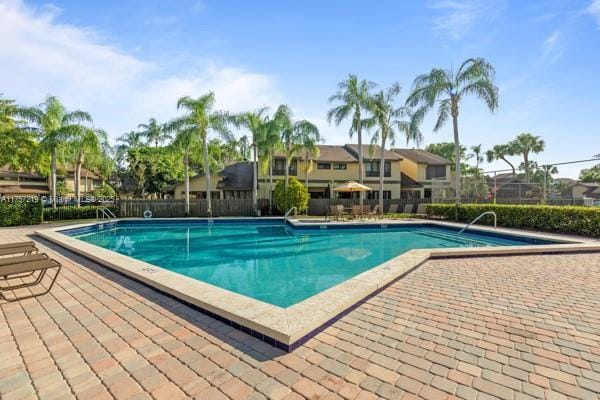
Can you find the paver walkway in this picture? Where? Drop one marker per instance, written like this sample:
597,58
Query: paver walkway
524,327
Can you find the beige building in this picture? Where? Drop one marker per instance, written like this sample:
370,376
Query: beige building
406,176
18,183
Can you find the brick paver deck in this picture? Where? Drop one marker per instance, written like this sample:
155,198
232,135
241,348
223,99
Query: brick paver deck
524,327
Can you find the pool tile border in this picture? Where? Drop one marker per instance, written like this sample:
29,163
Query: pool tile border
288,328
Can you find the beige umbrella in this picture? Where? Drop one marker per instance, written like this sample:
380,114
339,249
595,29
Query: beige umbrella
352,186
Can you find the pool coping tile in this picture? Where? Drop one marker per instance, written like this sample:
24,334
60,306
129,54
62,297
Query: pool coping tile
288,328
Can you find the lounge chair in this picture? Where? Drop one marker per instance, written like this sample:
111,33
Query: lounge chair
422,209
336,211
408,209
25,248
374,213
366,210
393,209
22,267
357,212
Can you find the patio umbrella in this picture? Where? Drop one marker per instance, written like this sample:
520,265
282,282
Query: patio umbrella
351,187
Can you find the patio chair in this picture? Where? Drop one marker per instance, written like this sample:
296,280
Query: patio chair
341,211
408,209
25,266
24,248
393,209
336,212
375,212
422,209
366,210
356,212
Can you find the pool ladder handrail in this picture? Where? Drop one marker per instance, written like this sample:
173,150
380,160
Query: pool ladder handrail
104,213
478,218
287,214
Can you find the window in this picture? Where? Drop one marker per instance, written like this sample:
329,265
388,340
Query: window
372,168
279,167
374,195
435,171
324,165
339,166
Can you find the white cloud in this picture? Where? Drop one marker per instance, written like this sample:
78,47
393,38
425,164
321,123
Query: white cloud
553,47
41,56
455,18
594,11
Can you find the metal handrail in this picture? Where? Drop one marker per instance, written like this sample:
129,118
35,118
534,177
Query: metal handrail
287,214
105,213
477,219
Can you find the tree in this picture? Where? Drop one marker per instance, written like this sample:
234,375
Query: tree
186,144
525,144
294,135
590,174
477,155
268,143
154,132
352,99
84,142
255,123
447,151
200,118
446,89
55,125
292,194
243,145
18,146
500,152
387,120
153,169
311,151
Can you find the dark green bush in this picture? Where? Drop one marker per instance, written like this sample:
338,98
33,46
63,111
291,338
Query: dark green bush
296,196
583,221
62,213
26,212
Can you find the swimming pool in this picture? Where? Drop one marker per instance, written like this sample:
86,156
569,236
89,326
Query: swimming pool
271,261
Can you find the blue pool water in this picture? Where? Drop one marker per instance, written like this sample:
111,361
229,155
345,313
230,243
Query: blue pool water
269,260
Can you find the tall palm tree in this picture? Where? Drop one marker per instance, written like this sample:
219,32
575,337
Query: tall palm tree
500,152
446,89
352,99
311,151
294,135
268,143
200,118
255,123
153,132
477,154
55,125
388,120
86,142
186,144
525,144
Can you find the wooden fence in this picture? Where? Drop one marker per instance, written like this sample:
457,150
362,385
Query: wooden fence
198,208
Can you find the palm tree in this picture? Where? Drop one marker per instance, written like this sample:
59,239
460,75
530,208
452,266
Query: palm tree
352,99
268,143
55,125
311,151
153,132
255,123
85,142
200,118
294,135
525,144
500,152
387,120
477,154
447,88
186,143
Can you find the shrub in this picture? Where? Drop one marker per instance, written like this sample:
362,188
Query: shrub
561,219
20,212
296,196
71,212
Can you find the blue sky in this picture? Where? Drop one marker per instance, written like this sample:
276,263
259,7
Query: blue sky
127,61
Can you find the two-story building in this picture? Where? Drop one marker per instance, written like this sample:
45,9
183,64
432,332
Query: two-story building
405,176
20,183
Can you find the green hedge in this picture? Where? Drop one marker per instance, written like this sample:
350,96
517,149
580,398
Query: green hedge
583,221
20,213
62,213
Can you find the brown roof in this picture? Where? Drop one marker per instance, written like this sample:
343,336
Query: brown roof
408,182
371,149
422,156
333,153
24,189
237,176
